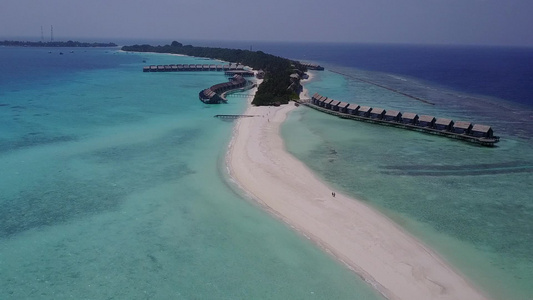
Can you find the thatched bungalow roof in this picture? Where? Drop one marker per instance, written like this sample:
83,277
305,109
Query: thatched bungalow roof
443,121
353,106
343,104
426,118
365,108
409,116
377,110
481,128
462,125
392,113
335,102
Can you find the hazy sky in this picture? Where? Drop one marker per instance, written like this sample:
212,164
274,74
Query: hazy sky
488,22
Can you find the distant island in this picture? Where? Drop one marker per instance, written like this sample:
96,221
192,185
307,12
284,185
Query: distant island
55,44
280,84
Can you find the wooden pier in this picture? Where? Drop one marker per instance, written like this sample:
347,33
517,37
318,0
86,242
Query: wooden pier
235,68
234,116
465,131
311,66
216,93
241,95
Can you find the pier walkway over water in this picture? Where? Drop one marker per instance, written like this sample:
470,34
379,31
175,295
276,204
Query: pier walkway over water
233,68
236,95
462,130
234,116
217,93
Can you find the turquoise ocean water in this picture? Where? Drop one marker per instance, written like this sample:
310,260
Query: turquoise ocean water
113,186
472,204
113,183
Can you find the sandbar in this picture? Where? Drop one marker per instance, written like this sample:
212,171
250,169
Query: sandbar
390,259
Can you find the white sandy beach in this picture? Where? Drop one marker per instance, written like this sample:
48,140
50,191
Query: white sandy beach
387,257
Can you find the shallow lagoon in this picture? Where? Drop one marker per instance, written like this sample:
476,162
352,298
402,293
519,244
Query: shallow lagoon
472,203
113,186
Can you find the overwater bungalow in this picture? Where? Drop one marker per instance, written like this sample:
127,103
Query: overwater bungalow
174,68
352,109
146,69
342,107
409,118
392,115
327,103
192,67
334,105
443,124
323,100
243,73
153,68
364,111
312,66
426,121
314,98
462,127
481,131
377,113
462,130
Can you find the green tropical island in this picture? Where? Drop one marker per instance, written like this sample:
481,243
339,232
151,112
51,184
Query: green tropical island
278,86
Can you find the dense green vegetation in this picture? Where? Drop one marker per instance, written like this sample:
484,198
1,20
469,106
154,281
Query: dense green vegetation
277,86
55,44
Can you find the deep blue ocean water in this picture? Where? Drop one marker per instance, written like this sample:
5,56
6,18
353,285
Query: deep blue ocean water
113,182
500,72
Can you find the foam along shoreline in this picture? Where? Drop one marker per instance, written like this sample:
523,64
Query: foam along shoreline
379,251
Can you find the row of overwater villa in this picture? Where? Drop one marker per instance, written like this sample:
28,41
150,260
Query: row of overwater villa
215,94
229,68
462,130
